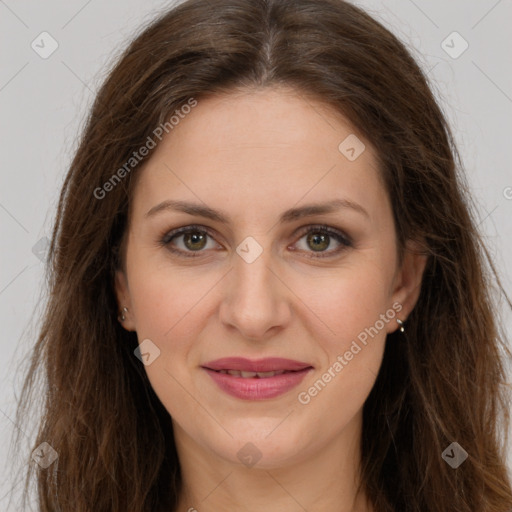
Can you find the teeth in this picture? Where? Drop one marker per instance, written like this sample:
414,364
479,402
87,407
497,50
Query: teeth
270,374
251,375
247,375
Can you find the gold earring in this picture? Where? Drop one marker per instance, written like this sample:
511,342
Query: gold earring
122,316
401,324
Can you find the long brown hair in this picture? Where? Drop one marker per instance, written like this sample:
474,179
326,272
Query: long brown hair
442,382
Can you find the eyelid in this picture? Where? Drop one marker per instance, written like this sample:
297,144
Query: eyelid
340,236
164,240
326,229
168,235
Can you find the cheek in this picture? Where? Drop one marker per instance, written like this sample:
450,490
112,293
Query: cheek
333,401
165,299
169,307
334,397
165,312
353,313
346,302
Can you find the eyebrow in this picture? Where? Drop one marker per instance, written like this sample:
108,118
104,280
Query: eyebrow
290,215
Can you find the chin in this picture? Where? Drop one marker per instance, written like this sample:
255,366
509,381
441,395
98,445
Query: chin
256,449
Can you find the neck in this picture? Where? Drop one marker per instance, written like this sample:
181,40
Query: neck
325,480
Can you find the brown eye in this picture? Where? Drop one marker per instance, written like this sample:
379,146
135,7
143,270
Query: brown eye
194,240
188,241
318,242
320,239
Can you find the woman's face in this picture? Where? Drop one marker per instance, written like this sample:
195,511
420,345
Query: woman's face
257,171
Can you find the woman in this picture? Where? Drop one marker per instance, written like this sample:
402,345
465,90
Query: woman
267,287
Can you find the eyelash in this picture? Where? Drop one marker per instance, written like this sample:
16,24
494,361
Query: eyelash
340,237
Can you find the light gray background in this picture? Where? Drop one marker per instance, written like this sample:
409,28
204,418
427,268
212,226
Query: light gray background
43,103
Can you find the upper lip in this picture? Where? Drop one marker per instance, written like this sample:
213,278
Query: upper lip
268,364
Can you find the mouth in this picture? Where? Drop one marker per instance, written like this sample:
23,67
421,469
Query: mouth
256,379
257,366
253,375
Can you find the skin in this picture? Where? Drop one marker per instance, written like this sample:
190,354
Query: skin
253,155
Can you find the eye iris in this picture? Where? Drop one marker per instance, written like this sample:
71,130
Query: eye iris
194,238
321,241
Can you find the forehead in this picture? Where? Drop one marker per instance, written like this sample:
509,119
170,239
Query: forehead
264,149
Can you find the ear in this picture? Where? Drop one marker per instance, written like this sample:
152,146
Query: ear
407,282
124,300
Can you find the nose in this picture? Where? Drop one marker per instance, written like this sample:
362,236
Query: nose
255,301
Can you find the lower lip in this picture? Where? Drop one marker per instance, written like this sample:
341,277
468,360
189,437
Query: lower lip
256,388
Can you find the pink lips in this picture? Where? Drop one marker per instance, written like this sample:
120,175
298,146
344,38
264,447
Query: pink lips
289,373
